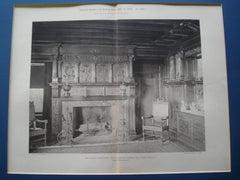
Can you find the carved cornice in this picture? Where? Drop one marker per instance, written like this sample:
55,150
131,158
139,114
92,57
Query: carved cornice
193,52
94,58
179,55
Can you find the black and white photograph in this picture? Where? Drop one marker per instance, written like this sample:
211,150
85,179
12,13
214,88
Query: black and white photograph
124,86
124,89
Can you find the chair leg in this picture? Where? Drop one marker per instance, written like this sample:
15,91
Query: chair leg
45,139
143,135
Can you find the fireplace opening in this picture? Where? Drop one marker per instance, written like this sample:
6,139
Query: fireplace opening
92,121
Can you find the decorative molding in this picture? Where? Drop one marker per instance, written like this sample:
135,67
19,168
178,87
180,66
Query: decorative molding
94,58
193,52
112,91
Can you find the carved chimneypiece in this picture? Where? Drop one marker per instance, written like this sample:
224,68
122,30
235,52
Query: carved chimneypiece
96,79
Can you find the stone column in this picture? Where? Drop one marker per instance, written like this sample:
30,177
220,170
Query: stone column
112,79
59,75
67,114
131,111
56,117
94,79
122,130
172,68
56,110
130,62
110,74
131,94
179,66
160,94
54,71
130,58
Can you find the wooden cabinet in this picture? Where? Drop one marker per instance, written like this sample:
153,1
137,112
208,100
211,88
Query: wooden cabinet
190,129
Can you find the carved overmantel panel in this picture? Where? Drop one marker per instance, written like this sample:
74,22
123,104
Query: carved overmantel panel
69,72
92,64
87,72
104,73
93,72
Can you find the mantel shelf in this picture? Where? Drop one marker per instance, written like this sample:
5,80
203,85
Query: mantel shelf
93,84
91,98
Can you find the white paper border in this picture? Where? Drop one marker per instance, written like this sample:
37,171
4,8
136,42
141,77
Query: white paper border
215,158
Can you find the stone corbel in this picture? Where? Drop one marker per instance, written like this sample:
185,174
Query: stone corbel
55,89
179,55
130,90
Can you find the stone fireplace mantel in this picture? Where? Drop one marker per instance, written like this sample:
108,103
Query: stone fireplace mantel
122,110
79,82
122,106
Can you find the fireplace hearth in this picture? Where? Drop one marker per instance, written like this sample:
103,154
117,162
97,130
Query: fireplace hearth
92,120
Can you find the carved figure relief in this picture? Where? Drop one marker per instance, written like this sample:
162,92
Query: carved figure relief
86,72
118,72
102,72
178,59
69,72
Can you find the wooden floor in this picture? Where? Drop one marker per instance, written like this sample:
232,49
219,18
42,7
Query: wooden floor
136,145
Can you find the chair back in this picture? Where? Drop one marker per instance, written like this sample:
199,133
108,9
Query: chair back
160,109
32,116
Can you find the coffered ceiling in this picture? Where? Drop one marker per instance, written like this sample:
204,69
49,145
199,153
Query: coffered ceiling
152,39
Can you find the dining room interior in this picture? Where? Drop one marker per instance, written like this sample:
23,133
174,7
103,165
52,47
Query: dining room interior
117,85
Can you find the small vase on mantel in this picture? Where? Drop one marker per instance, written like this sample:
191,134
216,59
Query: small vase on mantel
67,88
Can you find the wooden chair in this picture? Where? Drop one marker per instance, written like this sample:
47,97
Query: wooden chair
37,128
157,125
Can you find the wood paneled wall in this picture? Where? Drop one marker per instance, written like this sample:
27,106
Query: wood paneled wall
182,79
